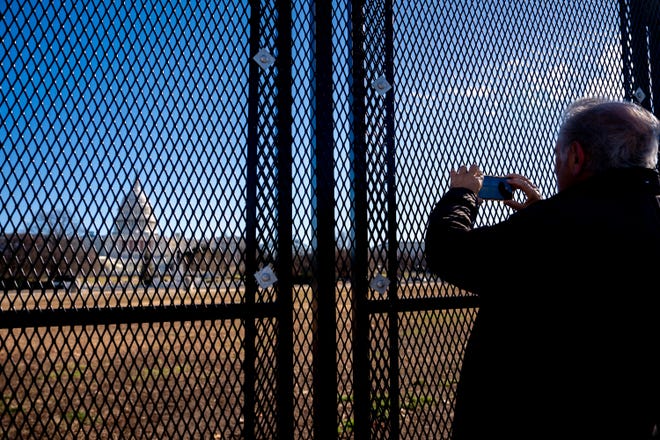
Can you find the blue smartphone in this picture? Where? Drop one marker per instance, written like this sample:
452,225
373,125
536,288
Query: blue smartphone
496,188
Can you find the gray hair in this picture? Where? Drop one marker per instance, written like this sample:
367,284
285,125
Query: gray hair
613,134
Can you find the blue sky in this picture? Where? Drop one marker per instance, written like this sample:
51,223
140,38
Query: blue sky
95,96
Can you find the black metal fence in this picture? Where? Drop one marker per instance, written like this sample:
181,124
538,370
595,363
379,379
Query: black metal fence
213,212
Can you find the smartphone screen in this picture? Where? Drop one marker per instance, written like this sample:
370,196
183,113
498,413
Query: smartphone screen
496,188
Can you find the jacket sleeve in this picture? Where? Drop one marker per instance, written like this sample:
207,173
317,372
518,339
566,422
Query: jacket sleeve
448,224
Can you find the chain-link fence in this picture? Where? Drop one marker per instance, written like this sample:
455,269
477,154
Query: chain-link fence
213,212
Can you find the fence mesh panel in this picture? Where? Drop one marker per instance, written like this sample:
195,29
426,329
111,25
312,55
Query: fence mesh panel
169,170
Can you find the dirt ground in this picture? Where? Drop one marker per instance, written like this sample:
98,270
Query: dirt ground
186,379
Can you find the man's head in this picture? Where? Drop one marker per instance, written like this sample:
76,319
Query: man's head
598,135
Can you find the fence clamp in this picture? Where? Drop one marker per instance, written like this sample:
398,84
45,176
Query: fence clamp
265,277
264,59
379,283
381,85
640,95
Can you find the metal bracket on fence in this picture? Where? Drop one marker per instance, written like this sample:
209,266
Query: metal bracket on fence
265,277
379,283
381,85
640,95
264,59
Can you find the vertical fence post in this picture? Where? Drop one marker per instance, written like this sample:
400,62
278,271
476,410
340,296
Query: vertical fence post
324,282
653,25
284,263
359,262
645,26
639,59
251,247
639,23
392,240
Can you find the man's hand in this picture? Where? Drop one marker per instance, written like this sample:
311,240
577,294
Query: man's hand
532,193
472,179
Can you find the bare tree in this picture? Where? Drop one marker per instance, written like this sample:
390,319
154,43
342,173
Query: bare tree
59,223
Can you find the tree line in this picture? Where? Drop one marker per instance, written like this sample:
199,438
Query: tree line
45,258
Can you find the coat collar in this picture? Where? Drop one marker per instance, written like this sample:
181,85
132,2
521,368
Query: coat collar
621,180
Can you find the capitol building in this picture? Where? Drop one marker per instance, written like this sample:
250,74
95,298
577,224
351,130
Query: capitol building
135,241
136,223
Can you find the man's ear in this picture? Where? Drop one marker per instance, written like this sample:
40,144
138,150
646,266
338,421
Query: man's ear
576,158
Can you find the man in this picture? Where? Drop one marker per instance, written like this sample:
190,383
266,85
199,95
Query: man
566,340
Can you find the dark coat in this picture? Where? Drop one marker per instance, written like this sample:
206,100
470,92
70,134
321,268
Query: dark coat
566,342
